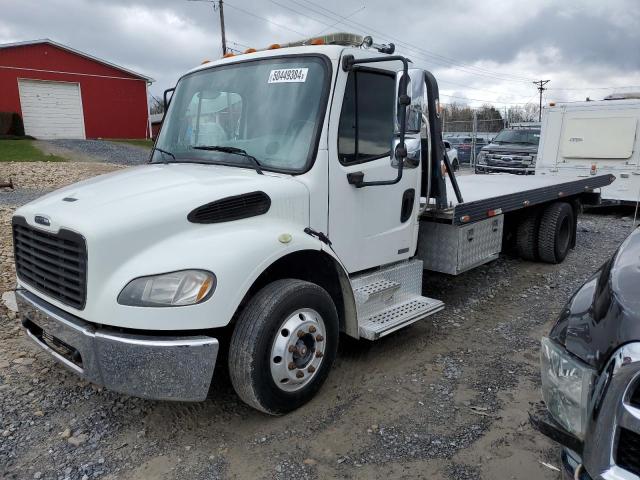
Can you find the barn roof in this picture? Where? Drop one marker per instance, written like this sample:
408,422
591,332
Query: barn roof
77,52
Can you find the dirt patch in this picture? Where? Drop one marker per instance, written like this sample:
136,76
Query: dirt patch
445,399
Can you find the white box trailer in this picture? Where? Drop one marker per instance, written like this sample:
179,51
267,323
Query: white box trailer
589,138
292,194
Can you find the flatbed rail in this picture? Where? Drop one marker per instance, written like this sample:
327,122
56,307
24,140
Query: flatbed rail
522,192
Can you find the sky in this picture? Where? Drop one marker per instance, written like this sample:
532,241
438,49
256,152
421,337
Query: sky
481,51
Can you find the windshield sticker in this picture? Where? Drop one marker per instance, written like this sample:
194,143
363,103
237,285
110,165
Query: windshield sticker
288,75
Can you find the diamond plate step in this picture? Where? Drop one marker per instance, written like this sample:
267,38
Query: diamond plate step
377,288
397,316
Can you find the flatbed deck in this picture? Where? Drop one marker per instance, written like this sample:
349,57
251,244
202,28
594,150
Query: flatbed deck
488,195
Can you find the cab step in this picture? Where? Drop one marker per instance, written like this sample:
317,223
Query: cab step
377,288
398,316
389,298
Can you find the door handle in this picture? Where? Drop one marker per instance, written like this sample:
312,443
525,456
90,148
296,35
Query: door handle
355,178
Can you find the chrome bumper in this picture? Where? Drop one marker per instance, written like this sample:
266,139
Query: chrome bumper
147,366
496,168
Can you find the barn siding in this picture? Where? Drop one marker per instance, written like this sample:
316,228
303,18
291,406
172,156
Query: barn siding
113,107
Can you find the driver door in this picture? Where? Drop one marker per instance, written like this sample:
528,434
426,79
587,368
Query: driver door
372,225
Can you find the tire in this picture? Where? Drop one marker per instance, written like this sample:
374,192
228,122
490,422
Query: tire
555,232
527,237
269,323
455,164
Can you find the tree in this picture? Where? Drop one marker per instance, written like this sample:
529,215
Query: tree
156,105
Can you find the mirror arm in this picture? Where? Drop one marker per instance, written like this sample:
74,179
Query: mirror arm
348,62
167,101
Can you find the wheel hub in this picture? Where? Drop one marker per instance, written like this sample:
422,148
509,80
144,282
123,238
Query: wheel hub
297,350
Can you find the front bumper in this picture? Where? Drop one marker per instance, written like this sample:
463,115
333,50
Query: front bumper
483,167
147,366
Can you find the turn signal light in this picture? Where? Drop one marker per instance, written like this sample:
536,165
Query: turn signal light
594,168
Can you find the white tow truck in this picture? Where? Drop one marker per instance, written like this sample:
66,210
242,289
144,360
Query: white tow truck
290,196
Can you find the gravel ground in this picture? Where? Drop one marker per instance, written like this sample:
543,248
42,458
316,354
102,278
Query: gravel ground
98,150
445,399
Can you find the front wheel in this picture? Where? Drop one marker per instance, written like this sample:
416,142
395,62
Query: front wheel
283,346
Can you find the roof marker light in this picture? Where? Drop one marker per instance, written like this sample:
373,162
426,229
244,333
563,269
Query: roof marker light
228,55
250,50
273,46
205,61
317,41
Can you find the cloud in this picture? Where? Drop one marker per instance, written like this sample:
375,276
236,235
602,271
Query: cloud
481,51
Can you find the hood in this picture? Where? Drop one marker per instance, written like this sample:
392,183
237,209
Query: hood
148,195
514,148
604,313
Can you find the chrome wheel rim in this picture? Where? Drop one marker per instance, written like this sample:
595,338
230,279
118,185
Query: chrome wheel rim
297,350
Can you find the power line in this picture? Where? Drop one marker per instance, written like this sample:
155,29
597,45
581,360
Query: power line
481,100
365,29
594,88
265,19
218,7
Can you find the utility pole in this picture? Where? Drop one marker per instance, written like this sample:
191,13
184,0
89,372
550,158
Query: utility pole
217,5
224,40
540,84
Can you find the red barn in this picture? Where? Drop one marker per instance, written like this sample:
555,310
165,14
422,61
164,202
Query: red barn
63,93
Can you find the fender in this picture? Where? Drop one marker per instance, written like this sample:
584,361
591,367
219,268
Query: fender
237,253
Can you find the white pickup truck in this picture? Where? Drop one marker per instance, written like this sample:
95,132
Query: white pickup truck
289,197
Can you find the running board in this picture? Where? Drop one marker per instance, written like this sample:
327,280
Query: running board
390,297
398,316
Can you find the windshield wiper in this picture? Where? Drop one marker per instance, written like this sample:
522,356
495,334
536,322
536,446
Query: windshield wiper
165,152
234,151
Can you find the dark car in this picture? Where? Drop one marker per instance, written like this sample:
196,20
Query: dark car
464,145
513,150
591,373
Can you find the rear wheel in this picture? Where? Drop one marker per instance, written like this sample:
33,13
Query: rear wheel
527,237
283,346
555,232
455,164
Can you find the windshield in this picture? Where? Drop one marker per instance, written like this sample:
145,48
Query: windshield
269,109
531,137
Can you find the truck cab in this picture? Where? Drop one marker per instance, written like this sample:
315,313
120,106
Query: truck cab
293,194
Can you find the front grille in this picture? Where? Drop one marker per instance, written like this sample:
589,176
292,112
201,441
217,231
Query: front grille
628,455
54,264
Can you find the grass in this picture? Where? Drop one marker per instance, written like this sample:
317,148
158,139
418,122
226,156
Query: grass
24,151
137,143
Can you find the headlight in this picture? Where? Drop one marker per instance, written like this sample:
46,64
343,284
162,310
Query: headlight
566,385
482,157
186,287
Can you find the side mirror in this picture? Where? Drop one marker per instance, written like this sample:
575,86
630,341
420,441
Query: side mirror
167,98
415,91
411,157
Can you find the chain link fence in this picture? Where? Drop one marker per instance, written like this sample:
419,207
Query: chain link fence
469,136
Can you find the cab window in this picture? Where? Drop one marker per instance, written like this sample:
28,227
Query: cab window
366,125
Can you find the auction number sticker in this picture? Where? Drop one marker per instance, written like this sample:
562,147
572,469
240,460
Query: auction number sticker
288,75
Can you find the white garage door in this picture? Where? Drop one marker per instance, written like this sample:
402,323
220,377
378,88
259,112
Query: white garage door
51,109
